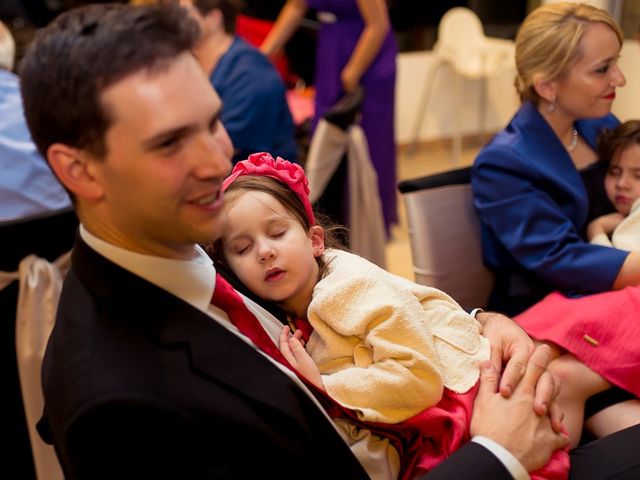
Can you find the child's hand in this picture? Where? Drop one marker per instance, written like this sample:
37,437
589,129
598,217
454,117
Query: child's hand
292,349
604,224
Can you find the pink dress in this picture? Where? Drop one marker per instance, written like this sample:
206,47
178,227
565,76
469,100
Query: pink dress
601,330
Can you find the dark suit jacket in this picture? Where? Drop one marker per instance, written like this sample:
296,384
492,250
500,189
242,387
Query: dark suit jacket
138,384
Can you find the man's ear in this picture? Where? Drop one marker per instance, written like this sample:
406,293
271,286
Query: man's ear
72,167
544,87
317,240
213,21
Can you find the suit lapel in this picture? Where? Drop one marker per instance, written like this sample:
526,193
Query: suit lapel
215,352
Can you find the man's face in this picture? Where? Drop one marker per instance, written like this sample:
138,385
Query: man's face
167,154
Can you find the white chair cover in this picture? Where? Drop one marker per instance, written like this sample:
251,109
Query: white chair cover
366,224
39,291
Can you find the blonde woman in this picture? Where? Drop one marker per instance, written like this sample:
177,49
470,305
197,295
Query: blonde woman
539,181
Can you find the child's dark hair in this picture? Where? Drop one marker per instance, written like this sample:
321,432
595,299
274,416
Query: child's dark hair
617,139
288,198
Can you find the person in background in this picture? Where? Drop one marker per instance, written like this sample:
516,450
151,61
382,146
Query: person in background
28,188
539,181
255,112
35,218
143,376
355,46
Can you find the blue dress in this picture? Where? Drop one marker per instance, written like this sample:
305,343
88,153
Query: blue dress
255,110
337,38
533,207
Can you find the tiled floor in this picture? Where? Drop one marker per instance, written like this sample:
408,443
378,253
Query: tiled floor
427,159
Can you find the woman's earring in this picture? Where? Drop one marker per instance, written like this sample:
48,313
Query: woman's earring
552,105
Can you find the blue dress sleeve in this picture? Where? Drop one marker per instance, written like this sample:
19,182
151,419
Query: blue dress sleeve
531,218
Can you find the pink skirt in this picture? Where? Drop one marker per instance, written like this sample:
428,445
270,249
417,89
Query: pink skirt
601,330
444,428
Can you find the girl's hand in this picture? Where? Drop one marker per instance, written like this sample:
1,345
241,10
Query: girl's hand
604,224
293,350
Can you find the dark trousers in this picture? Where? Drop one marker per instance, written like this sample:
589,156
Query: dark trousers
616,456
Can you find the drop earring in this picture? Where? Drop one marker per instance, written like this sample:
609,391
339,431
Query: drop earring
552,105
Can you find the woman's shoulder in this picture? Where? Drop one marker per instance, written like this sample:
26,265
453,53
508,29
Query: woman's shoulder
512,140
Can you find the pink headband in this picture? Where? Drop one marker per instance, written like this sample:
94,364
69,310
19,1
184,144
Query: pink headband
263,165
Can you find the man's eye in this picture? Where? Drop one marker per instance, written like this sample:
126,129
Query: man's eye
169,144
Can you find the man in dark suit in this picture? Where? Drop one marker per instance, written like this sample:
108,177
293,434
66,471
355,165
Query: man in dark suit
143,377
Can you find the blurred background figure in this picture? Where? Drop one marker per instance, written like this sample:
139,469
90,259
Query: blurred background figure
27,186
355,46
255,112
35,217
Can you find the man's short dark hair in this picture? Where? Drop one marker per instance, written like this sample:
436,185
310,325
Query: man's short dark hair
83,52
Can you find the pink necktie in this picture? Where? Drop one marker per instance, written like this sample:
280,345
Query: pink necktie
230,301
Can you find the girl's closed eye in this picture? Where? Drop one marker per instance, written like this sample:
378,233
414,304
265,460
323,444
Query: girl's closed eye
240,248
278,233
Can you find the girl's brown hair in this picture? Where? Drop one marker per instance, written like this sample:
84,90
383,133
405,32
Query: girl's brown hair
617,139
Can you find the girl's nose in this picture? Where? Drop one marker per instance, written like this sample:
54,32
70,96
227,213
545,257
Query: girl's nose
265,253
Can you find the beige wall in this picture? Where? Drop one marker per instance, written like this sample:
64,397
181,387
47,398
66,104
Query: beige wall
501,100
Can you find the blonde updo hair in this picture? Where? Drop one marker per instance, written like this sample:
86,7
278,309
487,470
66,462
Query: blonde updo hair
548,42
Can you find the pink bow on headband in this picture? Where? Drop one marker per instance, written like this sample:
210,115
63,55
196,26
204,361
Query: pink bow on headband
291,174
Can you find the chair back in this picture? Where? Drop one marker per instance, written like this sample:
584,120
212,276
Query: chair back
463,44
444,234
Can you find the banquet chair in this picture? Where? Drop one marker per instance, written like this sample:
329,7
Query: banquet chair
444,234
30,278
342,178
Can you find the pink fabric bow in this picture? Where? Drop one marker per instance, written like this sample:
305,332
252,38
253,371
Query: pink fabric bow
291,174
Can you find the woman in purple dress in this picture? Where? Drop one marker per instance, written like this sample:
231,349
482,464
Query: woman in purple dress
356,46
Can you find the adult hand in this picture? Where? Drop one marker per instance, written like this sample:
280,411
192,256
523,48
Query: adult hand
511,347
292,348
349,79
512,422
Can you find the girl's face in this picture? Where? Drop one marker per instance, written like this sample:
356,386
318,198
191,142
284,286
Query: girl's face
270,251
622,181
589,87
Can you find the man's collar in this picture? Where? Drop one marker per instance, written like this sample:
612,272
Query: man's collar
192,281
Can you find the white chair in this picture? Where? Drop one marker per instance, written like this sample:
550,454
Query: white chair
463,46
444,234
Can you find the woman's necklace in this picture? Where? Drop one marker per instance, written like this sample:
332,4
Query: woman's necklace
574,141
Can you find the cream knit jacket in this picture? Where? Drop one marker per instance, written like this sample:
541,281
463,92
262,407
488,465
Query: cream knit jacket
626,236
387,346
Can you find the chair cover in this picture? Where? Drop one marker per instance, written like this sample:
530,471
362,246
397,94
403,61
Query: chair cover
39,291
366,224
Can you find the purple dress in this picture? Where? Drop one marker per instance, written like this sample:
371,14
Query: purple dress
336,42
